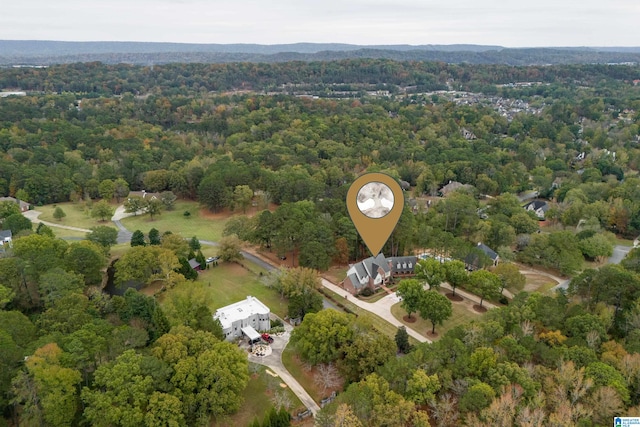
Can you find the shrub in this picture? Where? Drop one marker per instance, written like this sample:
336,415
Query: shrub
366,292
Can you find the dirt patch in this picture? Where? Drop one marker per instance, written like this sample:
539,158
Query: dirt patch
432,335
536,282
409,319
479,309
153,288
272,258
207,214
454,298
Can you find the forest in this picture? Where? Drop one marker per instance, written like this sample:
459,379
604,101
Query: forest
278,136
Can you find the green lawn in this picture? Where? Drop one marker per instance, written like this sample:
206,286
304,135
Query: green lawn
118,250
257,399
461,315
624,242
77,216
229,283
378,322
65,234
175,221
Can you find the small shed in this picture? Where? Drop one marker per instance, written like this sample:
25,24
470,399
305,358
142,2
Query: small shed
195,264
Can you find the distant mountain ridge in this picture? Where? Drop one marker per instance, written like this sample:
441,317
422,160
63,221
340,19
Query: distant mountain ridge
47,47
43,52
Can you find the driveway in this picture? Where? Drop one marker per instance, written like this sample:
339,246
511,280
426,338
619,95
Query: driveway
619,252
33,217
274,362
381,308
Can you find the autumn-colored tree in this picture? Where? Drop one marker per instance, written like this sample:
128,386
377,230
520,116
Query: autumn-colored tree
47,391
342,251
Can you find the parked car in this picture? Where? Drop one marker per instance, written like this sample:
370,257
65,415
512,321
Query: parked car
268,338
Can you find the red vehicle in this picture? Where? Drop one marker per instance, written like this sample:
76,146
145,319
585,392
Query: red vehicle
268,338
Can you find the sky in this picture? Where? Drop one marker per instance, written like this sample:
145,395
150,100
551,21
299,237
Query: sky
510,23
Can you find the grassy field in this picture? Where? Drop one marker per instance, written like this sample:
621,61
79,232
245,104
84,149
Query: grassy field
624,242
76,215
229,283
196,224
258,399
461,314
65,234
378,322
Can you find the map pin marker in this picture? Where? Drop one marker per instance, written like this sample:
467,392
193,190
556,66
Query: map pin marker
375,202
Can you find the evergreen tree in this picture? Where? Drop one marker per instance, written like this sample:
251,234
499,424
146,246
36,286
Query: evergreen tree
284,417
186,270
200,258
154,236
58,213
137,239
194,244
402,340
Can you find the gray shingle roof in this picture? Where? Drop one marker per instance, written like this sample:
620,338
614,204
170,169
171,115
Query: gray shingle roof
537,204
488,251
402,263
